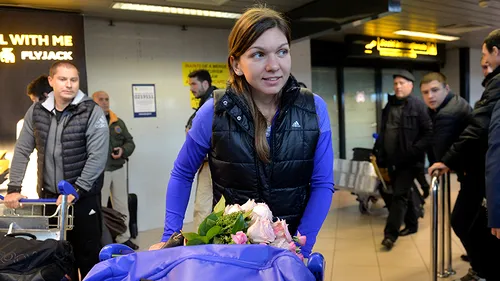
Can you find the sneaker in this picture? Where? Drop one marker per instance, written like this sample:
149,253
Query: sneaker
131,244
471,276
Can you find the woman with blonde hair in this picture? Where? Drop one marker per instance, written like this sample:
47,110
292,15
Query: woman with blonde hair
267,138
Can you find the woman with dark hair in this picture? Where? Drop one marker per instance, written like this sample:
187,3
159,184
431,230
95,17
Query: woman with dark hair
267,138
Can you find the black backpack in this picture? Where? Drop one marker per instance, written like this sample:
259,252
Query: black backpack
34,260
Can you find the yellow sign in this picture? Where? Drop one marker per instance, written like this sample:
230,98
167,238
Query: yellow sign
7,54
395,48
218,71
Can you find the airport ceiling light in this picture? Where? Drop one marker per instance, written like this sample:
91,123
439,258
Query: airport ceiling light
174,10
426,35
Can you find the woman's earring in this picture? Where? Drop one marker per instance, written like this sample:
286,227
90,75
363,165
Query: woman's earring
238,73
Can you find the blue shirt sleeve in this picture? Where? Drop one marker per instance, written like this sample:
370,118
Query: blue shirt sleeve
186,165
321,182
493,169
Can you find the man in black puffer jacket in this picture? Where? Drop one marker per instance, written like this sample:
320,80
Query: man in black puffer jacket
450,115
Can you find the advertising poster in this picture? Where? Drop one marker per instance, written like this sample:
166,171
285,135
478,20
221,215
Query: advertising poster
218,71
30,42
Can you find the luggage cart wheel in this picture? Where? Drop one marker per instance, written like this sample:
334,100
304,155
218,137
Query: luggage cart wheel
363,208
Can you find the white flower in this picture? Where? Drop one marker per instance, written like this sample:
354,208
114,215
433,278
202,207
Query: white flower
249,205
261,232
262,211
280,243
232,209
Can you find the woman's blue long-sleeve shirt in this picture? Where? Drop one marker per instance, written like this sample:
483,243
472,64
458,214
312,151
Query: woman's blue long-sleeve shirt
197,146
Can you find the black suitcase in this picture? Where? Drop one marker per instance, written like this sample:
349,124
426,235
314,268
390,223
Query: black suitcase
361,154
132,209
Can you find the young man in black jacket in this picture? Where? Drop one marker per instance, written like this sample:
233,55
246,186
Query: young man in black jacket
404,138
450,115
470,149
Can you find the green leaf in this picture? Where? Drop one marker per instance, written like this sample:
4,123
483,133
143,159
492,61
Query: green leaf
239,224
217,240
221,205
213,232
191,236
202,229
211,223
195,242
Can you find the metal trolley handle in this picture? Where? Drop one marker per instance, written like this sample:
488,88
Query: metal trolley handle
65,189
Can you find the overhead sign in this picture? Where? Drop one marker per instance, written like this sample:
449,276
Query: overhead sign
396,48
218,71
15,47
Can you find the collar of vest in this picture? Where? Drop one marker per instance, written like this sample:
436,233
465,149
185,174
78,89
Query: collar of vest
237,107
230,98
49,103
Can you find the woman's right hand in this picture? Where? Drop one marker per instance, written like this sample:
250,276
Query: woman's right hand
157,246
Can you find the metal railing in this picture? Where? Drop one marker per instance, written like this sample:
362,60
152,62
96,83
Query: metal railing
441,227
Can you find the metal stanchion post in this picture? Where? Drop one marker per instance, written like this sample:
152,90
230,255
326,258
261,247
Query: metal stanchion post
441,222
434,226
447,222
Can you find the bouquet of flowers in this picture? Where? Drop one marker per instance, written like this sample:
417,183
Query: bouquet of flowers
250,223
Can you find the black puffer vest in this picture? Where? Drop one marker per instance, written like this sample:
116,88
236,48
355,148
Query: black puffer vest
237,172
73,139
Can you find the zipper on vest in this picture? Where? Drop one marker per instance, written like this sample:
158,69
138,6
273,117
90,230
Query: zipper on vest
42,182
54,155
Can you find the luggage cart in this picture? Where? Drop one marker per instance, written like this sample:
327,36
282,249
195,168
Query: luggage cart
366,181
47,254
36,218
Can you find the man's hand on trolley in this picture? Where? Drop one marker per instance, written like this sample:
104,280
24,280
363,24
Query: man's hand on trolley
11,200
496,232
59,199
440,167
157,246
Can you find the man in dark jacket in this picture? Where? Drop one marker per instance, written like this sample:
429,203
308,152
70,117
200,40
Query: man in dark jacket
200,84
70,132
404,138
450,115
121,146
470,149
